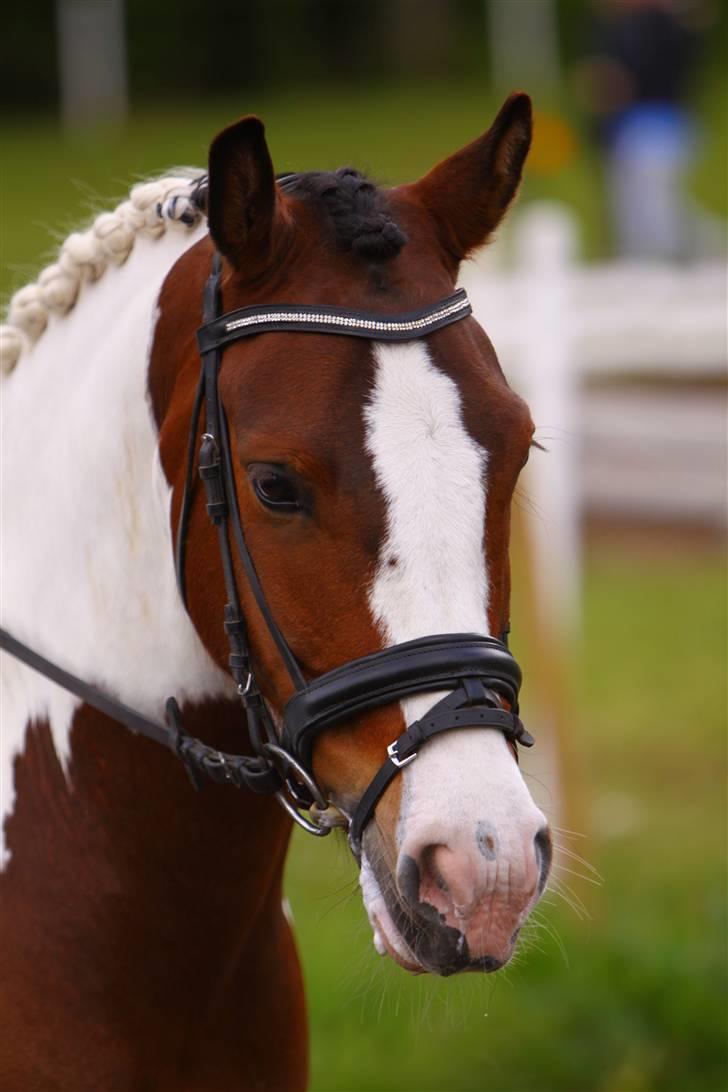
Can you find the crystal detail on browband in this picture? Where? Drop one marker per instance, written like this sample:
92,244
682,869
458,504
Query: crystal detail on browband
384,325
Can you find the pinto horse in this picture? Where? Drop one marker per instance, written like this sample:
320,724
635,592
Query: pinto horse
144,943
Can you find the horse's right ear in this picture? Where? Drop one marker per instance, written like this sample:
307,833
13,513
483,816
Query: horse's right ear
242,195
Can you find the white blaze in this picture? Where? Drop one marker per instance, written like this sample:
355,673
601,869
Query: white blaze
433,475
431,575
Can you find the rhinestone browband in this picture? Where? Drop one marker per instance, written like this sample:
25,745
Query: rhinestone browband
332,320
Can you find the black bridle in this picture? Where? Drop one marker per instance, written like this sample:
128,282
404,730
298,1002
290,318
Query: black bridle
479,673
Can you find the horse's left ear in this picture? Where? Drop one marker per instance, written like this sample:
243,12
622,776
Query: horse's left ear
243,211
469,193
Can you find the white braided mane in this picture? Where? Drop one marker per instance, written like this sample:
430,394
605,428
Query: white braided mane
150,209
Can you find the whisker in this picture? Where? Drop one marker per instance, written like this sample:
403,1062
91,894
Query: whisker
579,860
553,932
569,833
572,900
594,881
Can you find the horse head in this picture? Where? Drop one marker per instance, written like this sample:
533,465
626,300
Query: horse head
373,482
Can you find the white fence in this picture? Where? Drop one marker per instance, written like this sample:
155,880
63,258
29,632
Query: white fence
624,367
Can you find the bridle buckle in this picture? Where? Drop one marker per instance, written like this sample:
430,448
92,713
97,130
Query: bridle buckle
394,758
244,688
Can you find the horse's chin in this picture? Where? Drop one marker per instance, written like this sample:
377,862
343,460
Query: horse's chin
388,939
392,943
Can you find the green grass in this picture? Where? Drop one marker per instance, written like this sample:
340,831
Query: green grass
632,998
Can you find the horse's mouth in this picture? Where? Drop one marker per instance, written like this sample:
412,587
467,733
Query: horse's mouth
420,941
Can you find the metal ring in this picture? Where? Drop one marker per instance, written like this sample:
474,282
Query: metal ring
295,814
288,762
243,690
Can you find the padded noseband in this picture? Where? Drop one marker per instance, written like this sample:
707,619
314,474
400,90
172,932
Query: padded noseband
427,664
480,671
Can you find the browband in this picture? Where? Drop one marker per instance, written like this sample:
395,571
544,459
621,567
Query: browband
332,320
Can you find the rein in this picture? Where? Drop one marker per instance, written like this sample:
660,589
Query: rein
480,674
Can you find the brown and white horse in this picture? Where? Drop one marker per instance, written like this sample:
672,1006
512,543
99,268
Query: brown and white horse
143,939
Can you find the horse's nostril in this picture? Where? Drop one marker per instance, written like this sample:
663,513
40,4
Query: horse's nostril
543,849
430,867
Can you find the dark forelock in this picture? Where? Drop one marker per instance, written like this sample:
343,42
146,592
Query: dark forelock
356,208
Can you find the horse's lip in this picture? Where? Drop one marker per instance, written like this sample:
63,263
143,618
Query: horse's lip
413,967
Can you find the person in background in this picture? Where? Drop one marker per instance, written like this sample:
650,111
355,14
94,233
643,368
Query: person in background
636,78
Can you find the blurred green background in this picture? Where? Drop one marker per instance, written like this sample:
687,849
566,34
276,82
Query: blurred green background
621,986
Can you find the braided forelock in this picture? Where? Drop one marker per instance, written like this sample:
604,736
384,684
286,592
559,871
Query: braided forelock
357,210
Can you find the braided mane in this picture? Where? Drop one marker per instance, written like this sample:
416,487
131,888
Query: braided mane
149,210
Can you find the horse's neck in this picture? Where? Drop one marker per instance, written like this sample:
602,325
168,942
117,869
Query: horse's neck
152,907
116,870
87,569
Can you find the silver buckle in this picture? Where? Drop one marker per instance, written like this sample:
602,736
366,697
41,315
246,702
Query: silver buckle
400,763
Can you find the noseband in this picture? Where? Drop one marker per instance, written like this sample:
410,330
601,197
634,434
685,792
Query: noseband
481,677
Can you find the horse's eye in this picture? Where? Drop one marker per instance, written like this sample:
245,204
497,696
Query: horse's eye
274,488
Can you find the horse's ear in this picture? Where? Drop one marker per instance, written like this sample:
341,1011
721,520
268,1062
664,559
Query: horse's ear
469,193
242,196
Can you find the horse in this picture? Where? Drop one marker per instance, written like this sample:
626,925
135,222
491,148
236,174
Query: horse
344,574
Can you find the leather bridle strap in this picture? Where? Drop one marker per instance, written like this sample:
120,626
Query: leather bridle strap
472,705
199,759
216,471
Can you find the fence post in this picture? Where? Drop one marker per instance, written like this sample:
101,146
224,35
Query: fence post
545,250
547,535
92,61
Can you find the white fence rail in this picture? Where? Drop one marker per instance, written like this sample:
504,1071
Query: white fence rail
624,367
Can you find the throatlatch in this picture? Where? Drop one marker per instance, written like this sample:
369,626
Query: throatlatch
480,674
